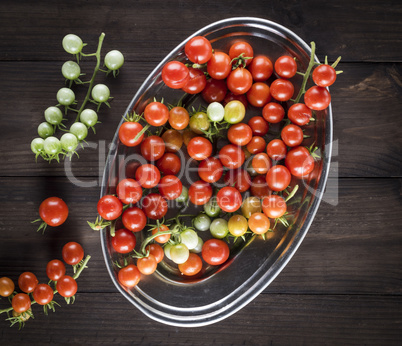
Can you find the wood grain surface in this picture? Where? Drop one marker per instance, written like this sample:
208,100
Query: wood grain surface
343,285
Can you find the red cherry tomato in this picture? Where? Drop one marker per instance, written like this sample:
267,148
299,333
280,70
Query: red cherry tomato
148,176
261,68
154,206
261,163
282,89
124,241
215,90
175,74
196,83
238,178
53,211
128,131
109,207
192,266
256,145
43,294
147,265
324,75
278,178
210,170
170,187
72,253
276,149
129,191
55,269
153,148
67,286
198,50
199,148
157,251
156,114
241,48
21,302
273,112
6,287
259,187
134,219
273,206
299,162
299,114
239,81
163,238
259,126
240,134
259,95
317,98
129,276
215,251
219,66
285,66
231,156
200,192
229,199
27,282
292,135
169,164
179,118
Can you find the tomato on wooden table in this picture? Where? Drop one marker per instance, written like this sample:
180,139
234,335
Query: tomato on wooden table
67,286
53,211
43,294
72,253
324,75
317,98
21,302
27,282
6,286
55,269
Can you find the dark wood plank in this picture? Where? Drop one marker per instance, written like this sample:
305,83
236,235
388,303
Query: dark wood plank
271,319
352,247
359,31
366,127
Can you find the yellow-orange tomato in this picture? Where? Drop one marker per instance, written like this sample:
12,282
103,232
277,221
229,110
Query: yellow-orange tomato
258,223
192,266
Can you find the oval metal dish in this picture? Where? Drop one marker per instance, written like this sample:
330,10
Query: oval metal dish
169,299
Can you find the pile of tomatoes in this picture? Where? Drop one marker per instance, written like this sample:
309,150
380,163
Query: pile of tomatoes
33,292
244,176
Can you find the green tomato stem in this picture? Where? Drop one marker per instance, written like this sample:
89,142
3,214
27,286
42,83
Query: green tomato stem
96,69
151,237
307,73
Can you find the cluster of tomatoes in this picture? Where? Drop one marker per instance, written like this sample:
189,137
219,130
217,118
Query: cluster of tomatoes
42,293
243,186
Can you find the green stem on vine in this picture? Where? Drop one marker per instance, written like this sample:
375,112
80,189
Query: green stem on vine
307,73
139,134
151,237
91,82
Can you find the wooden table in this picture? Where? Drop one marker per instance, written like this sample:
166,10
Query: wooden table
343,286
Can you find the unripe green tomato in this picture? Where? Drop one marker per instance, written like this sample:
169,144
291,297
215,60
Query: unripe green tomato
199,122
189,238
183,196
219,228
79,130
202,222
69,142
71,70
65,96
100,93
45,130
211,208
37,145
114,60
198,248
234,112
215,111
166,250
250,206
89,117
179,253
72,44
53,115
51,146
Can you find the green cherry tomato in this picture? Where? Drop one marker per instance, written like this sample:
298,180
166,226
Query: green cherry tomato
198,248
79,130
100,93
53,115
114,60
166,250
211,208
215,111
69,142
89,117
234,112
72,44
45,129
183,198
52,146
219,228
189,238
37,145
202,222
71,70
65,96
199,122
179,253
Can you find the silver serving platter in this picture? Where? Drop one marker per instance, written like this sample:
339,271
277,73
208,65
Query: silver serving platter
219,292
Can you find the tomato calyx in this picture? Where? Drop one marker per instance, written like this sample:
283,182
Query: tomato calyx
240,61
99,224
